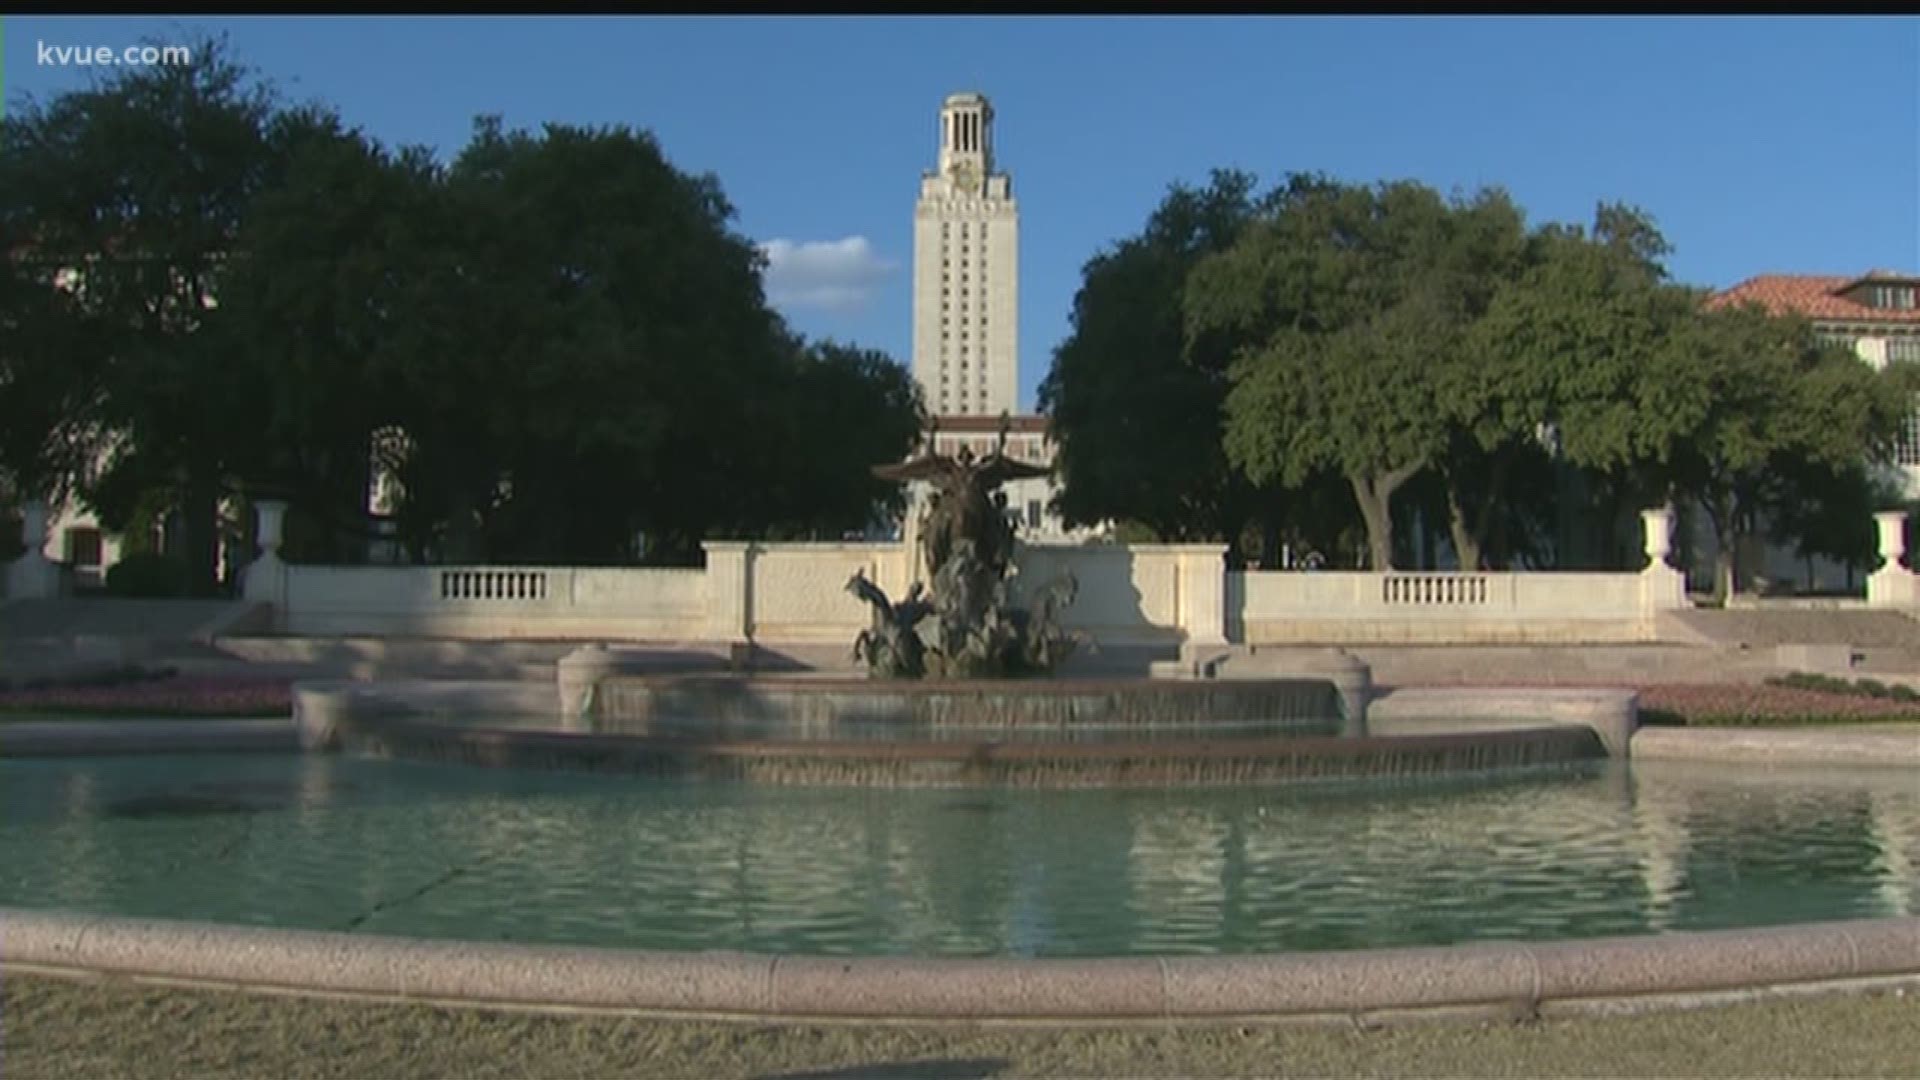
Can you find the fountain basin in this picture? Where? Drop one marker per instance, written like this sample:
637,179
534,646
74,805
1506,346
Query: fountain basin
1070,733
1117,890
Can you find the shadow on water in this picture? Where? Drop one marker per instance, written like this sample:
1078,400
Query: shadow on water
928,1069
209,799
181,804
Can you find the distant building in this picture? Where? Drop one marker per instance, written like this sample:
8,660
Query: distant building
966,271
966,314
1877,315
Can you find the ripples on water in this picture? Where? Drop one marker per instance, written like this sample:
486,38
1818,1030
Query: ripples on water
445,851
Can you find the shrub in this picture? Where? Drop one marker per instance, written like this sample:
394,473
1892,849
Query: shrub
1873,688
1790,700
147,574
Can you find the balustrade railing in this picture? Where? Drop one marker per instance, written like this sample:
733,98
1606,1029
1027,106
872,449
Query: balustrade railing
481,584
1433,589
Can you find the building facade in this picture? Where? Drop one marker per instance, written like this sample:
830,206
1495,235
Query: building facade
966,271
1877,315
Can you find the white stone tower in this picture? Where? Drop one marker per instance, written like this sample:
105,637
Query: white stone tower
966,271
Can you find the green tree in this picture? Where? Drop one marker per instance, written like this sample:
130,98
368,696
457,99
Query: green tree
1555,358
604,363
1136,411
140,184
50,392
328,247
1490,434
1341,304
845,410
1737,395
1826,511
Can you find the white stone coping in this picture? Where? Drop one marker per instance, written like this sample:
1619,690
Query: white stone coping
1887,744
24,738
1480,979
1612,714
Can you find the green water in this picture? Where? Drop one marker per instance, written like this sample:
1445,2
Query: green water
341,843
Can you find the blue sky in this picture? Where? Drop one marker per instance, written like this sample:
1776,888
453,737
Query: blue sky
1782,144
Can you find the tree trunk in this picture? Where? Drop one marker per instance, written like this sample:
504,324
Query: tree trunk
1471,534
1374,494
200,532
1466,547
1490,500
1379,519
1720,513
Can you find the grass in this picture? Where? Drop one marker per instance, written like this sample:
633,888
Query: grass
113,1028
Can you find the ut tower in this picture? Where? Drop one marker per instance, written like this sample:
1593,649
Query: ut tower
966,271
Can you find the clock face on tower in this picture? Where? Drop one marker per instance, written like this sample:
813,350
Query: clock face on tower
966,177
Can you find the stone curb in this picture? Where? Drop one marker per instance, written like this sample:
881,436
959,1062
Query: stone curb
1475,979
1892,745
1612,714
76,737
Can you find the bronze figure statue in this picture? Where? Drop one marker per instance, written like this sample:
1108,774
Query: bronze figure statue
890,647
967,539
962,504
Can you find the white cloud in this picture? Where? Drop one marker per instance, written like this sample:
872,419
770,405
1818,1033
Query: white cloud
837,275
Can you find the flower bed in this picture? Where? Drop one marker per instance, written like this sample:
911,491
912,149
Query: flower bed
1738,704
166,695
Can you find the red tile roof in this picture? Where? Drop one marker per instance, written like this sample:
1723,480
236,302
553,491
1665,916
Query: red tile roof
1816,296
977,423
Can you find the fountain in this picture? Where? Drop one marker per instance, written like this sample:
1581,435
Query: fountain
967,544
1052,887
962,686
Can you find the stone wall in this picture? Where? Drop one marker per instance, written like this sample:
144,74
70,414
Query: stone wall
1162,595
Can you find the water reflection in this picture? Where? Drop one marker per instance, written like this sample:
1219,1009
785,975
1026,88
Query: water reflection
431,850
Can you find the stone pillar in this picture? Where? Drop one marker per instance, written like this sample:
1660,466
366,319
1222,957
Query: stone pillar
266,576
1203,593
33,576
1892,585
1352,680
1656,529
320,713
1893,536
579,673
1662,588
730,590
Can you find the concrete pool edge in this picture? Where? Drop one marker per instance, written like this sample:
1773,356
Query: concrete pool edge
74,737
1489,980
1403,709
1473,980
1892,744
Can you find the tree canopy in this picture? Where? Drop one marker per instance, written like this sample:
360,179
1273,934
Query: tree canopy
557,345
1135,413
1386,334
